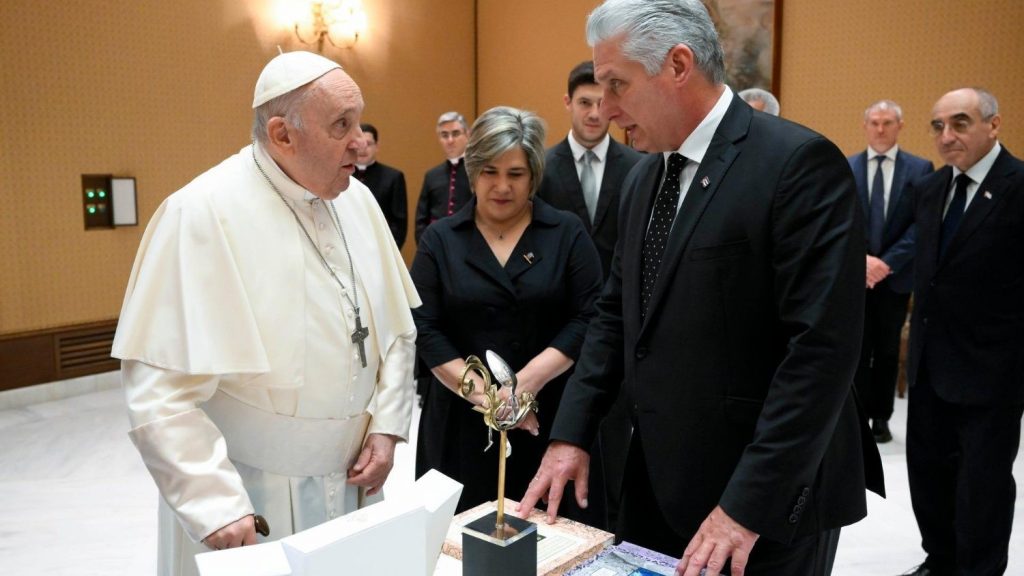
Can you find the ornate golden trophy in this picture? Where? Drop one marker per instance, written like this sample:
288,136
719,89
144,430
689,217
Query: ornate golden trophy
494,545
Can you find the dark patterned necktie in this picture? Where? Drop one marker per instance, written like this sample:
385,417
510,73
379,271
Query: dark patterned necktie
876,216
661,224
954,213
451,187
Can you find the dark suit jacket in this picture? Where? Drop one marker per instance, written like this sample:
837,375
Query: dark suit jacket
898,234
561,188
388,187
433,202
967,328
542,297
740,377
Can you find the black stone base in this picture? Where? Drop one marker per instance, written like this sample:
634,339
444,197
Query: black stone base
486,553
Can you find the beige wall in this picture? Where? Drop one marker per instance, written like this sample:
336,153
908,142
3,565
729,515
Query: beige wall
526,50
159,91
835,62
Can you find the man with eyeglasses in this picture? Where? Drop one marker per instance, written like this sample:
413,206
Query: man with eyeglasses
445,186
966,362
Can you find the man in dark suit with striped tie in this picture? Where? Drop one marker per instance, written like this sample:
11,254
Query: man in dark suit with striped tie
882,171
966,361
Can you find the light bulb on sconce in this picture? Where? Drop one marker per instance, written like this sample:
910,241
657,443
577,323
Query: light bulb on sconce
339,23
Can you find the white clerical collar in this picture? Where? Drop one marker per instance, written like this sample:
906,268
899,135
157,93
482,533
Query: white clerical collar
290,188
890,153
455,161
979,171
697,143
578,150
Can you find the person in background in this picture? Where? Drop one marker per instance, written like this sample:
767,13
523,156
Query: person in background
583,174
445,186
761,99
882,173
386,183
965,366
506,273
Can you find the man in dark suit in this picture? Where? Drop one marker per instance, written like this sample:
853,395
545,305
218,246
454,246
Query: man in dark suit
445,186
966,361
881,173
733,326
386,183
583,174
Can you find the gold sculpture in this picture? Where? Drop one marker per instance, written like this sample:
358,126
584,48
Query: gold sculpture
501,413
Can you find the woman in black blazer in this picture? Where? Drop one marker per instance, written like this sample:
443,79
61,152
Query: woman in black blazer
506,273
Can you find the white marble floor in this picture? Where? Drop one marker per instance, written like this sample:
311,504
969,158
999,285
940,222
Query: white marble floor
75,498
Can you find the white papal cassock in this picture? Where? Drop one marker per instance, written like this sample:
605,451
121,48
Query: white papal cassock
244,389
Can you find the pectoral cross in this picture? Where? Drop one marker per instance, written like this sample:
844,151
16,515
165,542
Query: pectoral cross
358,336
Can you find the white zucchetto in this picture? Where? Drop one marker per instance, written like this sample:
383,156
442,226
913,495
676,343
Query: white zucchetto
288,71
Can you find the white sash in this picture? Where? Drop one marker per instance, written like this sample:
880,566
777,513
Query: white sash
286,445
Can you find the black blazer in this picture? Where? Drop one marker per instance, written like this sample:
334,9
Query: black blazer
388,187
560,187
433,202
740,377
542,297
898,233
967,328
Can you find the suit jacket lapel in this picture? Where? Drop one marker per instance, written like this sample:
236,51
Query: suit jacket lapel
929,223
989,194
570,182
641,201
899,176
525,256
611,170
860,175
719,157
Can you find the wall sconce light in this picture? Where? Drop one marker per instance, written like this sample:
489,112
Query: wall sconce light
339,22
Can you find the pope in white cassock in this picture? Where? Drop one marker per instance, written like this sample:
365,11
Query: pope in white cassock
266,334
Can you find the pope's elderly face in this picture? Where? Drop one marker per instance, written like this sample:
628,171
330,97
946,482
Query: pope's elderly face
329,141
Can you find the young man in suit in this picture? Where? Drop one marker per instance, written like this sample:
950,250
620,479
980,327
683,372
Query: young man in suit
386,183
882,171
731,317
583,173
445,186
966,367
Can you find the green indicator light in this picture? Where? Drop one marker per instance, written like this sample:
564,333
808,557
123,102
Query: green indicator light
92,209
89,194
103,194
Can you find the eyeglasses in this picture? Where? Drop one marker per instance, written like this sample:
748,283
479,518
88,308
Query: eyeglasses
445,135
959,125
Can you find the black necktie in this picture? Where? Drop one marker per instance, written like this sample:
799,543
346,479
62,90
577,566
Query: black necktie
876,217
954,213
661,223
